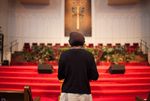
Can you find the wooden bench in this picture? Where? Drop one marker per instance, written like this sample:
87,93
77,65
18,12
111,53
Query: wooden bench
141,99
24,95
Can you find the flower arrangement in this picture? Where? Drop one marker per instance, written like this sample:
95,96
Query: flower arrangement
120,54
117,54
39,54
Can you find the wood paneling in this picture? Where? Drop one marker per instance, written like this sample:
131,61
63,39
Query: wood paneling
45,2
122,2
78,17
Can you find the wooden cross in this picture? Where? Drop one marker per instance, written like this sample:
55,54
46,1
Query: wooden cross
78,17
78,2
78,9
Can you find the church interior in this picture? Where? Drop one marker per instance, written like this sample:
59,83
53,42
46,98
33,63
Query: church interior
35,32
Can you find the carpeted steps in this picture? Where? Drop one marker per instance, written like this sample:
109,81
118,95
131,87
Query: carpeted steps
109,87
95,86
54,80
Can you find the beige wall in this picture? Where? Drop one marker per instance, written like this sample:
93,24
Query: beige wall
121,23
110,24
4,15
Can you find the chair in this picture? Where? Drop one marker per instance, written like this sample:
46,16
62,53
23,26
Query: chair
34,44
136,45
42,44
24,95
127,44
118,44
26,47
49,44
57,45
66,45
91,45
100,44
109,45
148,98
137,98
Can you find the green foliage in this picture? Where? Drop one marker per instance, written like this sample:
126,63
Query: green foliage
63,49
120,54
39,53
117,54
90,50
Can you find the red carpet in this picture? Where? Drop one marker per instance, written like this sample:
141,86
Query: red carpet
109,87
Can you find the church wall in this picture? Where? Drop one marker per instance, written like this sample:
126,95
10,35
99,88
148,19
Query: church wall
121,24
4,15
110,24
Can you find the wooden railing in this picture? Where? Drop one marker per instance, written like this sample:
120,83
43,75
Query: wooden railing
144,46
10,47
12,44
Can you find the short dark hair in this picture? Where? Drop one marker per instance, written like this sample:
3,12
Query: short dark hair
76,39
